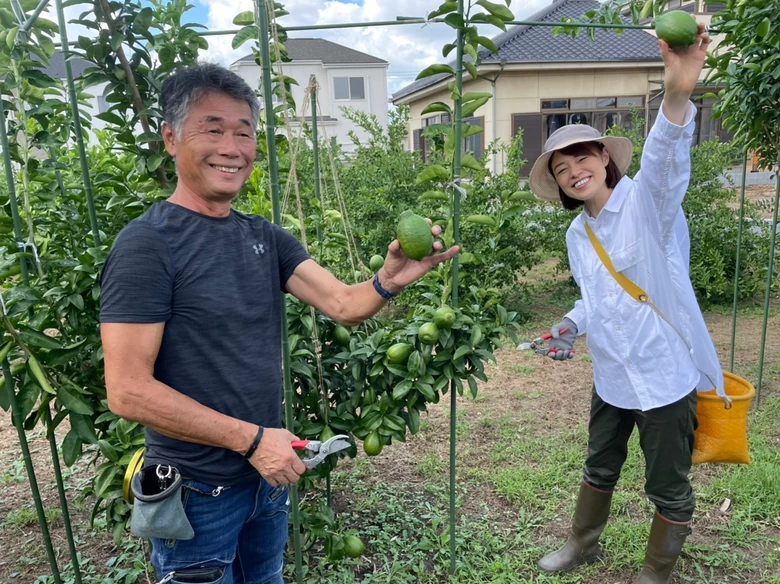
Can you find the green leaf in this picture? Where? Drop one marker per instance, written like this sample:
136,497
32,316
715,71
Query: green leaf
111,118
473,95
462,350
73,401
487,43
455,21
71,447
108,450
495,21
763,28
83,427
471,69
436,106
154,161
445,8
473,386
400,390
245,34
496,10
447,49
246,18
468,161
36,338
433,172
473,106
435,69
471,51
148,137
103,481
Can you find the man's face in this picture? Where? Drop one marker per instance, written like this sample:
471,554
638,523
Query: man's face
216,147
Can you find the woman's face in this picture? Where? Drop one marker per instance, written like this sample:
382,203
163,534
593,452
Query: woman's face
583,175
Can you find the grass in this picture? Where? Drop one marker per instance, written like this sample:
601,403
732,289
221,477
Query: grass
406,526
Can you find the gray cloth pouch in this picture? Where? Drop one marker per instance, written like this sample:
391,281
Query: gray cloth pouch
159,512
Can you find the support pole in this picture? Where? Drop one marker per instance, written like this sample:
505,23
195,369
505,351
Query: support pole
315,145
261,18
456,162
74,108
737,267
19,423
9,179
55,459
767,293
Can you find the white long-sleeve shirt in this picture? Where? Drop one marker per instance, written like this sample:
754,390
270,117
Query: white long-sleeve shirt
639,360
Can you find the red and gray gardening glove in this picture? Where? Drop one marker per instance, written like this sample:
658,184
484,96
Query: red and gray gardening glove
562,343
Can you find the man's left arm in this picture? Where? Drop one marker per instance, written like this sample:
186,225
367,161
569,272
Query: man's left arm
351,305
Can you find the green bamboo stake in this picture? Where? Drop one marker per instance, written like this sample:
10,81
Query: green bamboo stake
456,161
315,142
55,459
19,423
739,251
261,18
414,20
52,442
31,20
9,179
74,106
768,291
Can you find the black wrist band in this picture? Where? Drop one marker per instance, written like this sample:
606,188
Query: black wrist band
255,443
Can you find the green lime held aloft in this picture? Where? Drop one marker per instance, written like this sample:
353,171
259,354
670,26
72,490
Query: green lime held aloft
414,235
677,28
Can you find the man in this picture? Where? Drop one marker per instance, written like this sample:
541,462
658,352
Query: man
191,329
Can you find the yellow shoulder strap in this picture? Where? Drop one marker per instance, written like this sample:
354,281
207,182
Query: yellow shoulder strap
633,290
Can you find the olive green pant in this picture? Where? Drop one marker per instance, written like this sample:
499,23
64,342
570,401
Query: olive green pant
666,438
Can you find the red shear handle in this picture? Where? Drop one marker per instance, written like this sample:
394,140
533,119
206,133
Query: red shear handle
548,336
299,444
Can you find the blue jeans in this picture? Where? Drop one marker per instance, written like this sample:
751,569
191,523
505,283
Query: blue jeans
241,529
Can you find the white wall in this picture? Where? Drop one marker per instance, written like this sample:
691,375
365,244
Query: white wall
375,87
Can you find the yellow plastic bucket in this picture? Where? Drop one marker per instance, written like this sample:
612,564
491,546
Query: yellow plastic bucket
722,433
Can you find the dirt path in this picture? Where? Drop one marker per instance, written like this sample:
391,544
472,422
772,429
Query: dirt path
535,397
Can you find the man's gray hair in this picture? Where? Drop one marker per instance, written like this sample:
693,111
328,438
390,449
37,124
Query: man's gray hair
189,84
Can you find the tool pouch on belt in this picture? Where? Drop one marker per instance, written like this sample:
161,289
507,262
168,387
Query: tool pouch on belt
158,510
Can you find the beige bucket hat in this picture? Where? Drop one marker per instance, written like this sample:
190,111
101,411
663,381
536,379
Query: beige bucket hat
543,183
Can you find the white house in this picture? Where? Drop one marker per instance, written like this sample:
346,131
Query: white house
346,77
94,105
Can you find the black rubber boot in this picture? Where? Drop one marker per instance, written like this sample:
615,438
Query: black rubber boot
590,518
663,548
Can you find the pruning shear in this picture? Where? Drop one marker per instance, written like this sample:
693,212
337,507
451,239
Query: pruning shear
321,450
537,345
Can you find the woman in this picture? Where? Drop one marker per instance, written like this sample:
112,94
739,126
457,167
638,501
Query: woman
647,364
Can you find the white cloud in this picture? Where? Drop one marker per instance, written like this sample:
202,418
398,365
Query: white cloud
408,48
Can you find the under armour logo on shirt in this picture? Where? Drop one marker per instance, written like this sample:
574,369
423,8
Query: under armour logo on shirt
259,248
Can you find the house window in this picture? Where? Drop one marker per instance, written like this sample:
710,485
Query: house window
349,88
555,104
601,113
476,142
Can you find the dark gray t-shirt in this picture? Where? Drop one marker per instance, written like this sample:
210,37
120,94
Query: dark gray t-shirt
216,283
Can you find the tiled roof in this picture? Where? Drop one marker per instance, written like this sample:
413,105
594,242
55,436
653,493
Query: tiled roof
56,68
328,52
535,44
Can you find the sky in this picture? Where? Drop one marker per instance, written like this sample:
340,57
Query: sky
408,49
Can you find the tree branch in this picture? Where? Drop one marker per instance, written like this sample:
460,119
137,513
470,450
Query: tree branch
137,101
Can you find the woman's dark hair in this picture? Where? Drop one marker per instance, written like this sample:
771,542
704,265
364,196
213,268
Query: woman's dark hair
585,149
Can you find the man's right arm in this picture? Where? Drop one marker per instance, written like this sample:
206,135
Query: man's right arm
130,350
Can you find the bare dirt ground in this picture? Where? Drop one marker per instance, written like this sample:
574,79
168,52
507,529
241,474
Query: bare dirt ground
536,394
761,194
